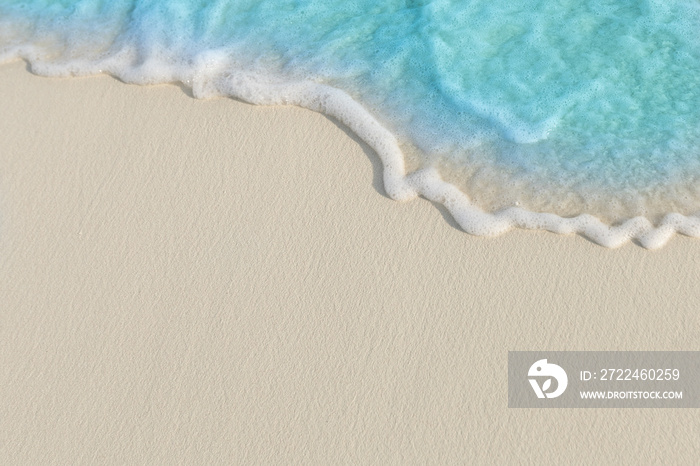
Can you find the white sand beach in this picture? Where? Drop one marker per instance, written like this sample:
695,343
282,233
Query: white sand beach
209,282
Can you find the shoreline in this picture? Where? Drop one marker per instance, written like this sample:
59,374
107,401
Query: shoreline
428,183
207,281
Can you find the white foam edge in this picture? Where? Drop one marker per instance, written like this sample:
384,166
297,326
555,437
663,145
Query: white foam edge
212,75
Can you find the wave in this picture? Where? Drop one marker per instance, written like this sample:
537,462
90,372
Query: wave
492,109
211,75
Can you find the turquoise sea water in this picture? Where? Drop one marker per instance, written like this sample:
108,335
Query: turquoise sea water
561,106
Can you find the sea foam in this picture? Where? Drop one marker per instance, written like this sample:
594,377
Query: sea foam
522,116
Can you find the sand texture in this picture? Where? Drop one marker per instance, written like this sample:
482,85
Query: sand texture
209,282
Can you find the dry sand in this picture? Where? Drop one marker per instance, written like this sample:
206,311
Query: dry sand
208,282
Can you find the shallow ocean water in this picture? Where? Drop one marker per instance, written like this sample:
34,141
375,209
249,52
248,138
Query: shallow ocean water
557,107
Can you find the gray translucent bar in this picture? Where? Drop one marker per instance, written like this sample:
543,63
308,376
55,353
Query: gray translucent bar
604,379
